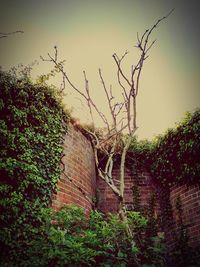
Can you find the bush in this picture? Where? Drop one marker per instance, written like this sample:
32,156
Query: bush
69,238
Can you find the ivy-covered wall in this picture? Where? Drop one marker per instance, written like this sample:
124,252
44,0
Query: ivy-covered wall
32,126
174,156
37,155
173,161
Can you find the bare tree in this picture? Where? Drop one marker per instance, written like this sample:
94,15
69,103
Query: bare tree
123,114
6,34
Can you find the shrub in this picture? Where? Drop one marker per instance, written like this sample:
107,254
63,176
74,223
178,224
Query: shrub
69,238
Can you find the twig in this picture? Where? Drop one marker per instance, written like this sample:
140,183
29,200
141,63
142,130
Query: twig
6,34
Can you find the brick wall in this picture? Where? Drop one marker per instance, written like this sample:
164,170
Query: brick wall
108,201
190,202
189,199
78,180
78,185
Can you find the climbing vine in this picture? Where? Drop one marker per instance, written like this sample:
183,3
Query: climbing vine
173,157
32,125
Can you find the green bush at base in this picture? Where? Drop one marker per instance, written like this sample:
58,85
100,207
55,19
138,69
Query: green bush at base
69,238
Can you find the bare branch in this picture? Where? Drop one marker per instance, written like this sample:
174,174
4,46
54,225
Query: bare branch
120,83
154,26
111,95
109,98
118,62
150,47
107,180
112,135
59,66
88,96
143,36
6,34
109,163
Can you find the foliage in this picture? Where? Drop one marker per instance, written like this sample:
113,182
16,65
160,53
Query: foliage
69,238
31,129
173,157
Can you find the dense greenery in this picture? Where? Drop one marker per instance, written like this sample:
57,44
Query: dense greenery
31,129
76,240
174,156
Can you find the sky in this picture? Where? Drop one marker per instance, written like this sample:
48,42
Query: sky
88,32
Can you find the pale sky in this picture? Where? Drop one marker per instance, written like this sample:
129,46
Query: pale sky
88,32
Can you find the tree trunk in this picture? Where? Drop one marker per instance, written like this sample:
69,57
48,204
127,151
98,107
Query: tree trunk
122,205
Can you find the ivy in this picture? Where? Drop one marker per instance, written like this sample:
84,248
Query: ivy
32,125
173,157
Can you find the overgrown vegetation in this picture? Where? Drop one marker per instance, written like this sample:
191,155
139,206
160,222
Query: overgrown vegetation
173,157
75,240
32,124
31,129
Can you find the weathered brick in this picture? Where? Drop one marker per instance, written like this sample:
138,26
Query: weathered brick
80,168
190,197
